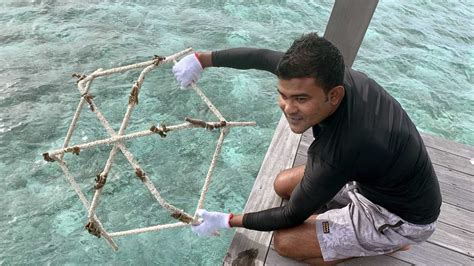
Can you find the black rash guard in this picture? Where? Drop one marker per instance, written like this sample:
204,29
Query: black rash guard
369,139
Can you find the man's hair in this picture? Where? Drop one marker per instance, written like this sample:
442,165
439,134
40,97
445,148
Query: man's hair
313,56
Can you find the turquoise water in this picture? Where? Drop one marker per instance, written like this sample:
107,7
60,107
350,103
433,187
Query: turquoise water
421,52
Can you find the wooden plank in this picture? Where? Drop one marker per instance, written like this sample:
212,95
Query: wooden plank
280,156
274,259
307,137
457,196
455,178
461,218
459,149
304,146
375,261
431,254
453,238
451,161
299,160
347,25
301,154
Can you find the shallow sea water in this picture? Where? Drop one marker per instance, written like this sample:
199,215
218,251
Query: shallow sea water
421,52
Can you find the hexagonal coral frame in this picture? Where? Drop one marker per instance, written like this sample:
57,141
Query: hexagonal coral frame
94,226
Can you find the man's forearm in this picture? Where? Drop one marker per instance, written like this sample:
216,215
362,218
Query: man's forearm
242,58
236,220
205,58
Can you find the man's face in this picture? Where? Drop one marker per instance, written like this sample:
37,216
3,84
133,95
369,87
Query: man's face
304,103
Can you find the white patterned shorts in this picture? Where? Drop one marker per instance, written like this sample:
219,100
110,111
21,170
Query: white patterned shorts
363,228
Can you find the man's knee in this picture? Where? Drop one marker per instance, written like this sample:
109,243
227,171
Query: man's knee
281,244
298,243
286,181
281,184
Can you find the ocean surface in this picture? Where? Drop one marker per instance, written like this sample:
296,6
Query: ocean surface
422,52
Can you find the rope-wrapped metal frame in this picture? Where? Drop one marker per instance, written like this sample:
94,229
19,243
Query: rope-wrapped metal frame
84,82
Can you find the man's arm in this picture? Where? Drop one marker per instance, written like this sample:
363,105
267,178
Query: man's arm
236,220
242,58
315,190
205,58
190,67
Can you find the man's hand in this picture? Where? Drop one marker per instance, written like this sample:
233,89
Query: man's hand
212,221
188,70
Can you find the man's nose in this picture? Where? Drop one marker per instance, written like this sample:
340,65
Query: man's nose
289,107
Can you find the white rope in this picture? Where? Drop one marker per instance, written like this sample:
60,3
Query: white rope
208,102
148,229
103,175
73,124
129,157
131,104
143,133
132,101
85,202
116,70
74,184
207,181
117,138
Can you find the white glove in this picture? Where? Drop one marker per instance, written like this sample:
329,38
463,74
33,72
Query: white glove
188,70
212,221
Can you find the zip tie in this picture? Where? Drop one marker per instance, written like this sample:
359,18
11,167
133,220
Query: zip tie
183,217
93,229
133,98
204,124
74,150
140,174
79,77
159,130
100,181
88,99
47,158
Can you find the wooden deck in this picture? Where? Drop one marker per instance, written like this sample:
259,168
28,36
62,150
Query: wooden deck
451,244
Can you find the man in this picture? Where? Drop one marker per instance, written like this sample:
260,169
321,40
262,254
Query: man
362,135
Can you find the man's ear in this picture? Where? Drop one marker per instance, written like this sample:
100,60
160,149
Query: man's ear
336,94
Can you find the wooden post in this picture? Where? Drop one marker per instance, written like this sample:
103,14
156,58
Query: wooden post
346,28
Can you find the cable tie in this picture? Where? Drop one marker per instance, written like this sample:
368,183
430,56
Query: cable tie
133,98
93,229
75,150
158,59
159,130
79,77
183,217
47,158
140,174
100,181
88,99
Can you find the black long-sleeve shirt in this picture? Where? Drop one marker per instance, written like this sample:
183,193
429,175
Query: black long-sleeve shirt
369,139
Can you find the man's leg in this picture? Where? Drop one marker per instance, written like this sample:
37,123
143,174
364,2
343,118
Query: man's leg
300,243
287,180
